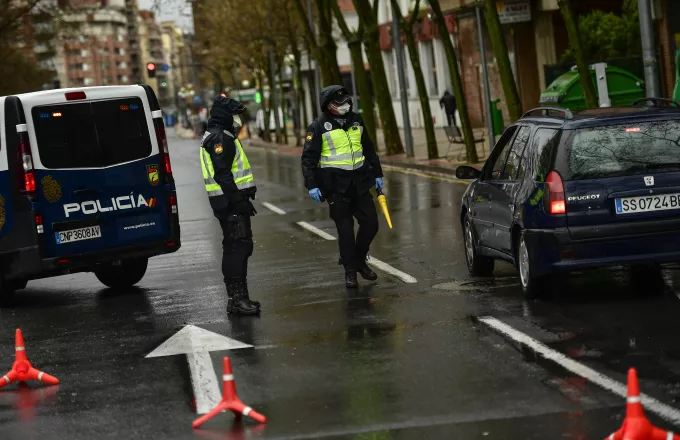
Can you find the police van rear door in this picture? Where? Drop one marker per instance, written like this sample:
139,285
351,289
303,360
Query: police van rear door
98,171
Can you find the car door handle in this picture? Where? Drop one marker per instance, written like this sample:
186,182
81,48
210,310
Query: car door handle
80,191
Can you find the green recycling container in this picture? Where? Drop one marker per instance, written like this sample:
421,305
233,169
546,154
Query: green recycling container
496,117
566,90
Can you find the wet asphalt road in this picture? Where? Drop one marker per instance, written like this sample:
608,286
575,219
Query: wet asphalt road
392,360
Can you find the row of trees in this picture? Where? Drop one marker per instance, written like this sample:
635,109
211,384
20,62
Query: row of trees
265,40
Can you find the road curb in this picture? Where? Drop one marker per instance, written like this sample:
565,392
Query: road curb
432,170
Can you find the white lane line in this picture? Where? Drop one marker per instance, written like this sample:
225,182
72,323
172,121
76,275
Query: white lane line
659,408
276,209
316,230
371,260
391,270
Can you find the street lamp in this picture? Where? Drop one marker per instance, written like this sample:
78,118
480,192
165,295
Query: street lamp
245,83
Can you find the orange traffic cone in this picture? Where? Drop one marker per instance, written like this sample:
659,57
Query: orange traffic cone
230,401
636,426
22,370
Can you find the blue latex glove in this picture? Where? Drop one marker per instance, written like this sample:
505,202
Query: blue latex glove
379,183
315,193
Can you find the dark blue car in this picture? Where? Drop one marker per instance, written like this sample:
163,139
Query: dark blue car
566,190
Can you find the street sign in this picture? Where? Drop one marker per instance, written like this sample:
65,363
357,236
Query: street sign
197,99
513,12
165,67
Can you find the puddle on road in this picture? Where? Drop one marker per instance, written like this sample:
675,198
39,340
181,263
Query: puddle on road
484,285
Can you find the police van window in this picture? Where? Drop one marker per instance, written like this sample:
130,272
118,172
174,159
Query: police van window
91,135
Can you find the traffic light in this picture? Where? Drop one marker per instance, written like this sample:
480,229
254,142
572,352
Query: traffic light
164,84
151,70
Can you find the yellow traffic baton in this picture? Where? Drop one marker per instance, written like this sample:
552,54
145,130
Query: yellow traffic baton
383,204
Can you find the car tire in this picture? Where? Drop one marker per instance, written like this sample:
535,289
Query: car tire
647,278
478,265
128,273
532,286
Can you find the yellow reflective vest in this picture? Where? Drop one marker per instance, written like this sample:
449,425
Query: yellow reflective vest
240,169
342,149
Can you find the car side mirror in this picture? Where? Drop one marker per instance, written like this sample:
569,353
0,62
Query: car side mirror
467,172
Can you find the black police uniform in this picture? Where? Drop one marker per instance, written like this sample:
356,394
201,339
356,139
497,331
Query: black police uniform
347,192
233,209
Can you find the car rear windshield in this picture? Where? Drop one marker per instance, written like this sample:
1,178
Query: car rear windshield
620,150
91,134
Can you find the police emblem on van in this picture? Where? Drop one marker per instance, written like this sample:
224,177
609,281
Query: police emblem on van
152,174
121,203
51,189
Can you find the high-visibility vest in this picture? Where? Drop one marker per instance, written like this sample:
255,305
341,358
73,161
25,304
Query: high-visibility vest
240,169
342,149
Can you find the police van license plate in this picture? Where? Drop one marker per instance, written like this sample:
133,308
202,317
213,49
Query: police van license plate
661,202
78,234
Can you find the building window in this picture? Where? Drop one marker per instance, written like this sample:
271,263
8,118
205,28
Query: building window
84,53
88,81
86,67
430,67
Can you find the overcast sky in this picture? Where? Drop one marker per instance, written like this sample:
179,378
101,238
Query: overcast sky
178,11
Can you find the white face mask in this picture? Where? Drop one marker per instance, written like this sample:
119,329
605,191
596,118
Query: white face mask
237,122
343,109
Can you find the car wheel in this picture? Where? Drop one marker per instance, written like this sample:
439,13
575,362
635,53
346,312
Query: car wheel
6,293
647,278
532,286
478,265
126,274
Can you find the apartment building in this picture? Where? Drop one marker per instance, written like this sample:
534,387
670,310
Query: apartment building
151,50
175,57
136,64
96,46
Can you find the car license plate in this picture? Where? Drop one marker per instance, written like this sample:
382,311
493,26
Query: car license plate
78,234
661,202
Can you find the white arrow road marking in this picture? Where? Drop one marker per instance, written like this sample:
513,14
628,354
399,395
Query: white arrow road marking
271,207
197,343
371,260
661,409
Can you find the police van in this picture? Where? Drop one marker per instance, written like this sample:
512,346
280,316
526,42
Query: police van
86,185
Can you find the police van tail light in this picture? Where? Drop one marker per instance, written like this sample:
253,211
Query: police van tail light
163,147
553,199
39,224
172,201
25,162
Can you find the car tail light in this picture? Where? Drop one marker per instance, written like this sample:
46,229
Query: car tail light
172,201
73,96
24,164
163,147
554,194
39,224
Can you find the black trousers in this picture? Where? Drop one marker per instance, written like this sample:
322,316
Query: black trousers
451,117
237,245
343,209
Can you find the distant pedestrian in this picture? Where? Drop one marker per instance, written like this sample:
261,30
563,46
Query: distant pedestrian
448,101
339,164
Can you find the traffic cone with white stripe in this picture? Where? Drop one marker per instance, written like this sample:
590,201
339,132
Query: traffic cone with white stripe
22,370
230,401
636,426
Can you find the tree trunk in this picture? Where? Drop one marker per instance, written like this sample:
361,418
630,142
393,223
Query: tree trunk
272,105
265,111
367,105
581,65
456,83
303,119
284,109
328,49
432,150
500,49
381,90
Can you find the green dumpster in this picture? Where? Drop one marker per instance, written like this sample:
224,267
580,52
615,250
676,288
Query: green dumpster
496,117
566,90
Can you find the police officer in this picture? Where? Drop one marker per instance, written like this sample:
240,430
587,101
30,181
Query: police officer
230,184
339,164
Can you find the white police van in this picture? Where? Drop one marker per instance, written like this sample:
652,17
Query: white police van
85,185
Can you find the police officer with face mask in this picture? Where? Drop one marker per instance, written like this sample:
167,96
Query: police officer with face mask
230,184
340,165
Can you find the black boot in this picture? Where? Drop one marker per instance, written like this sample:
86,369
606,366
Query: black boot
351,279
238,303
251,301
366,272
